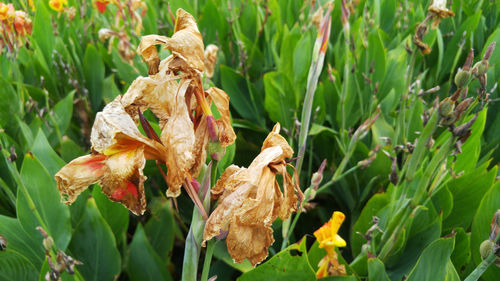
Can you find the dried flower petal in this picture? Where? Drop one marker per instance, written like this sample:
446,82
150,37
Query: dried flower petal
221,101
250,200
210,59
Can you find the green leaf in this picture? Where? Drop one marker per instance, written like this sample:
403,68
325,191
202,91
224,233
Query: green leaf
221,253
115,214
93,244
42,30
280,100
43,152
93,70
9,103
480,229
63,111
39,203
462,253
70,150
467,192
471,149
430,264
27,245
16,267
144,264
290,264
376,270
160,229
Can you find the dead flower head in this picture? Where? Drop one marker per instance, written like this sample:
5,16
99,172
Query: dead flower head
250,200
174,93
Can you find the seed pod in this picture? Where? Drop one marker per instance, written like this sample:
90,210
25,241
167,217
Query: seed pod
462,77
446,107
480,68
48,243
486,248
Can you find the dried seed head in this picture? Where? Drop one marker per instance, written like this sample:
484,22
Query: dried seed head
489,51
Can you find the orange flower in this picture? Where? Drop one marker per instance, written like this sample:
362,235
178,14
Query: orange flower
22,24
58,5
101,5
6,12
329,239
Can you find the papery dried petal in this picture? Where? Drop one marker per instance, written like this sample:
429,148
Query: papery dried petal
178,136
210,59
114,131
147,49
200,144
187,42
221,101
227,181
275,139
124,181
78,174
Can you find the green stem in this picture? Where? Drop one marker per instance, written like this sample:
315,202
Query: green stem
208,258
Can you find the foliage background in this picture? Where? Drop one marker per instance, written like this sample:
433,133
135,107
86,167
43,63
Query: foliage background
53,86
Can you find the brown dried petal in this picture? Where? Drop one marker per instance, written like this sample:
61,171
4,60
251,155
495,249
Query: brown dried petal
147,49
114,130
187,42
124,181
199,150
275,139
178,136
221,101
210,59
78,174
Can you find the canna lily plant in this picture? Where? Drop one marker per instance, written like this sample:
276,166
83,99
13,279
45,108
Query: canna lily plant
173,91
328,239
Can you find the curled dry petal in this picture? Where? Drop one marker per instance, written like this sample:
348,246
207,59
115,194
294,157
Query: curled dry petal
221,101
210,59
186,44
178,136
117,164
250,200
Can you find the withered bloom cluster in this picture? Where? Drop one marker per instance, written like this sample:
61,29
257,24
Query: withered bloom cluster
437,10
173,91
250,200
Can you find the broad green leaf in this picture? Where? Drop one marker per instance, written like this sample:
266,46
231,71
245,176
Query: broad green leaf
280,100
372,208
43,152
160,229
221,253
467,192
462,253
451,272
70,150
480,229
144,263
93,70
39,203
9,102
14,266
42,30
63,111
376,270
290,264
471,149
28,245
93,244
431,264
115,214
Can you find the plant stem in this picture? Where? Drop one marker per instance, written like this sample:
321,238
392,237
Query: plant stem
208,258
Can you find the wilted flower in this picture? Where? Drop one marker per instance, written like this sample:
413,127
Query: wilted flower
329,239
58,5
438,8
174,93
210,59
250,200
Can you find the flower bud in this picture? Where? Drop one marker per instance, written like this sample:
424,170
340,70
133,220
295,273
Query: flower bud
462,77
480,68
486,248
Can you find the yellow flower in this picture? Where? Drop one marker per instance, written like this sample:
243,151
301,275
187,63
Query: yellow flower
57,5
329,239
